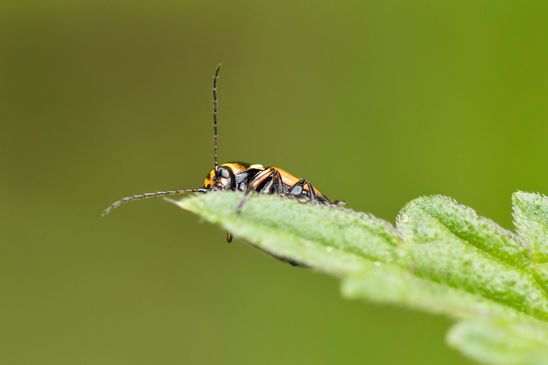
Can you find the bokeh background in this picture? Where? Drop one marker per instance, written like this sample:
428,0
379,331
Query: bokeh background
377,102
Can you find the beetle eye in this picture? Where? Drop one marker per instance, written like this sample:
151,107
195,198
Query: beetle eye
224,173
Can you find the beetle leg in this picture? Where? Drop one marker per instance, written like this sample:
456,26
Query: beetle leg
298,190
275,184
311,192
253,186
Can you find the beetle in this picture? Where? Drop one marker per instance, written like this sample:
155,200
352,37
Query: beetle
244,177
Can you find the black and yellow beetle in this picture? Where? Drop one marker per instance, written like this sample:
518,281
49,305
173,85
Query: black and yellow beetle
239,176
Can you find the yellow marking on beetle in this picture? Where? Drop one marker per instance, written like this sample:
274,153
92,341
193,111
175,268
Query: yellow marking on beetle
209,180
290,179
235,167
257,166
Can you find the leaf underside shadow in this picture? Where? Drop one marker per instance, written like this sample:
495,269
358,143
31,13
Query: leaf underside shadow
440,257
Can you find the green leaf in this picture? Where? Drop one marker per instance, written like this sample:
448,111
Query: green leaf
337,241
448,243
531,220
500,341
390,284
440,257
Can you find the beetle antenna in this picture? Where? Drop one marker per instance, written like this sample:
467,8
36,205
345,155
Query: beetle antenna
215,102
128,199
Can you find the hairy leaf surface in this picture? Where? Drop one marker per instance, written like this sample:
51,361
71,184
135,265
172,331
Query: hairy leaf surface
440,257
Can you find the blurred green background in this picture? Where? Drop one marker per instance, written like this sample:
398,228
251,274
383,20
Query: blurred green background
375,102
